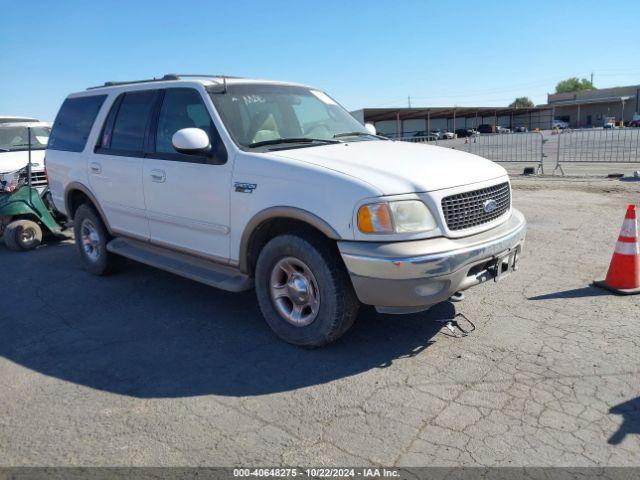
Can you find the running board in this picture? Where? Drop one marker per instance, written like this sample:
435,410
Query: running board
194,268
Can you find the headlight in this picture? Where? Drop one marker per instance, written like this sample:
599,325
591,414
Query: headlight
404,216
11,181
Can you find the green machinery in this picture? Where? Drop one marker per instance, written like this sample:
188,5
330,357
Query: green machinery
25,214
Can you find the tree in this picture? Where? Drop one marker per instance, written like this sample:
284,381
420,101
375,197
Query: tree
521,102
574,84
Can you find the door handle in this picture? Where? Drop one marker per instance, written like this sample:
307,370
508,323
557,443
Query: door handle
95,167
158,176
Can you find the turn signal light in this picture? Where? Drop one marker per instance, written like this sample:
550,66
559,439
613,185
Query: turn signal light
375,218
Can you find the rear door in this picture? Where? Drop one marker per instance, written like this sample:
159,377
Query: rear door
187,196
115,171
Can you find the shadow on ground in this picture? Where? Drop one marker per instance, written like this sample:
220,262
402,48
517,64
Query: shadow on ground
150,334
573,293
630,412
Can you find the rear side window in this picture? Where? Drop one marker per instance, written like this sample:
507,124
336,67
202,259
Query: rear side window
73,123
131,121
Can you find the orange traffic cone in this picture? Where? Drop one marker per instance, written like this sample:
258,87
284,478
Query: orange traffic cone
623,276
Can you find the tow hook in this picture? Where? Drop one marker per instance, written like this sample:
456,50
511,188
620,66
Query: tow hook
457,297
453,325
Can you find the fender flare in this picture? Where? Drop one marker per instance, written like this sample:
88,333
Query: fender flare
73,186
270,213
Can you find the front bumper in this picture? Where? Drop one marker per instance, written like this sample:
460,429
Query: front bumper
402,277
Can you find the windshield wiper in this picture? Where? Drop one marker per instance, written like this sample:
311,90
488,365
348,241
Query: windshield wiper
354,134
278,141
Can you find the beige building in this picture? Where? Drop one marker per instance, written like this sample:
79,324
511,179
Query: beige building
591,107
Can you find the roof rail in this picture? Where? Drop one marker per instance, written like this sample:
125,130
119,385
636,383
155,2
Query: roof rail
191,75
129,82
168,76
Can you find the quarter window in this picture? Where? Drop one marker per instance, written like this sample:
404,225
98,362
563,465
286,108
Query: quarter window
73,123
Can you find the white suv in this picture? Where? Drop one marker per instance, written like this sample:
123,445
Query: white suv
242,183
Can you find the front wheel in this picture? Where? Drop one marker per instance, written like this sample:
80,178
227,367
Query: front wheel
304,291
22,235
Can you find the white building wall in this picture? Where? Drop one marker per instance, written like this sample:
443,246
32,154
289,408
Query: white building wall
387,127
413,125
504,121
438,123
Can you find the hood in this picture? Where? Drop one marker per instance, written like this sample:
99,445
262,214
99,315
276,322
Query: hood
400,167
12,161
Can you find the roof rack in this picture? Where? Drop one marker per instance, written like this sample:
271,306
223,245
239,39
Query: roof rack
183,75
164,78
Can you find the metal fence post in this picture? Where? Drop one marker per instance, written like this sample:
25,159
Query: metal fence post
558,165
541,165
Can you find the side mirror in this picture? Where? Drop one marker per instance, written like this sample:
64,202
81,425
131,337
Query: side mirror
191,141
371,128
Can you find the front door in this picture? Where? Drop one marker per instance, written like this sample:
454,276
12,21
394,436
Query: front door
115,171
187,196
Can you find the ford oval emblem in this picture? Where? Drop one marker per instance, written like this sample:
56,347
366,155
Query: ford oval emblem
490,205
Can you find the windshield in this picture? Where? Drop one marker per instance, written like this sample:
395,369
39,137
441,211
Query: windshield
16,138
259,115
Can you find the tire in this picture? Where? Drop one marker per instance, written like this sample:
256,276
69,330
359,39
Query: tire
281,263
91,240
22,235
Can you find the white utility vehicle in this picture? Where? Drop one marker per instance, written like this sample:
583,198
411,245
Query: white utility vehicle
242,183
14,148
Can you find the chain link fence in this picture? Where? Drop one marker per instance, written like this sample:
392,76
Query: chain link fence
508,147
526,147
612,145
616,145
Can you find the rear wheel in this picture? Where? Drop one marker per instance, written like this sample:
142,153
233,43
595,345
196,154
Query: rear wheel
91,240
304,291
22,235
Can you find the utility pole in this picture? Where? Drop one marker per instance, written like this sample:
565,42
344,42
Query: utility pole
591,78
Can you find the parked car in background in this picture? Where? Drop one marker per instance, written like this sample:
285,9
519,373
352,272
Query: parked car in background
423,135
419,133
609,124
634,123
465,132
521,129
439,134
500,129
486,128
447,135
14,149
419,137
559,124
242,184
10,119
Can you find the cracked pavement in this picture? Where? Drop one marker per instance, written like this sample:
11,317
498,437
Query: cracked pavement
146,368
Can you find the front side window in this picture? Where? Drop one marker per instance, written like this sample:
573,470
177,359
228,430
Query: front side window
16,137
131,121
73,123
184,108
262,114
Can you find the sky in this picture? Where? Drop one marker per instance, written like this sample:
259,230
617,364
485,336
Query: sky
365,53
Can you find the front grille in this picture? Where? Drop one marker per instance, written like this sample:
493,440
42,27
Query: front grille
38,179
466,210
